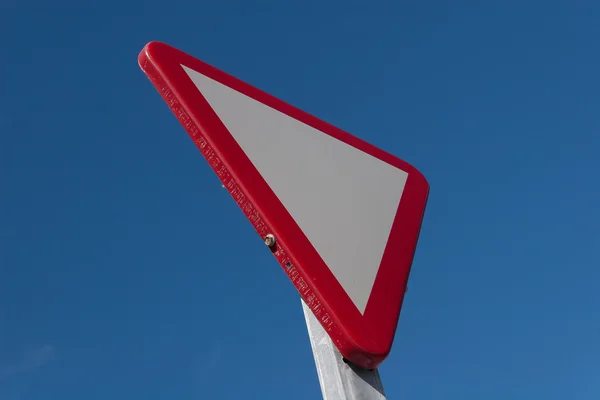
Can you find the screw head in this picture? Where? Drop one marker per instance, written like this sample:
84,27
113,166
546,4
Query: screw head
270,240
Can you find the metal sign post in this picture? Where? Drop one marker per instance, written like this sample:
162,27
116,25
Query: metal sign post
339,380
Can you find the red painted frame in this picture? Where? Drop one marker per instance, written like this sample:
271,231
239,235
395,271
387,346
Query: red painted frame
365,339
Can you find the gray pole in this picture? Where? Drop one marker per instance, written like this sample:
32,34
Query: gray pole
339,380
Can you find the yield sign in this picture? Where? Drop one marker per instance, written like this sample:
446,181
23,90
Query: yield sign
341,216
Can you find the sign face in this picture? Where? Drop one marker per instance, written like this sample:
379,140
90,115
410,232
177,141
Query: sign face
341,216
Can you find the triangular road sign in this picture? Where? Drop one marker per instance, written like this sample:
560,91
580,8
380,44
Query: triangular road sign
342,216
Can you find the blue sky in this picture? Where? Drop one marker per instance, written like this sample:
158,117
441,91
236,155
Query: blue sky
115,282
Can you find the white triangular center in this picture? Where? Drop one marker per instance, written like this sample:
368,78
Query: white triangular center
343,199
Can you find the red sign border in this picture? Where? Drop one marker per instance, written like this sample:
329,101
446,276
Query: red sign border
365,339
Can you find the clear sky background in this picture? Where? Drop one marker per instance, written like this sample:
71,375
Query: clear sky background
115,280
